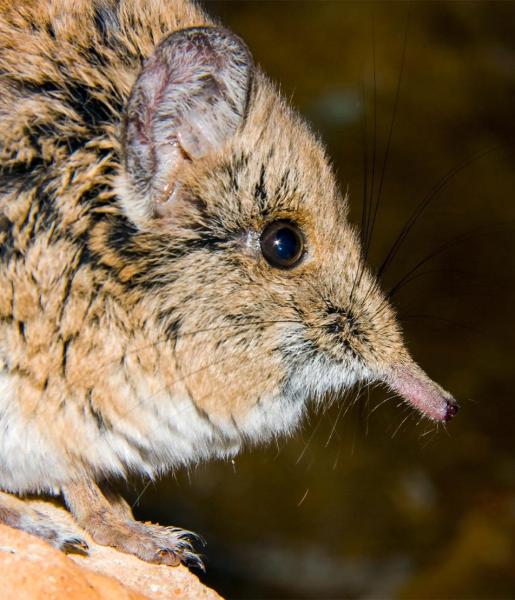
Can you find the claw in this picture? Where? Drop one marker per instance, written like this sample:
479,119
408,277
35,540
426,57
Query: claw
184,548
193,537
75,545
192,560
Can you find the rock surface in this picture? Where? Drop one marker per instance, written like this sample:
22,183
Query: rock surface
31,569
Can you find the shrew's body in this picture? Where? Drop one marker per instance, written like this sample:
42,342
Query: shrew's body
145,321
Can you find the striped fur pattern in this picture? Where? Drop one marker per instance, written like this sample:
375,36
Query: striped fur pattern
131,341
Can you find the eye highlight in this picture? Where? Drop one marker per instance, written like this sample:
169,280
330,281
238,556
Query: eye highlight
282,244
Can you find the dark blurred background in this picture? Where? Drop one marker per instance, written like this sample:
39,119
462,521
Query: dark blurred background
372,504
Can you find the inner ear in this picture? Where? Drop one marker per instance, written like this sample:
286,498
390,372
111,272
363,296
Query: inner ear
189,98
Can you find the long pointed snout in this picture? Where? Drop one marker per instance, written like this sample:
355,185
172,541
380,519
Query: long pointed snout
409,381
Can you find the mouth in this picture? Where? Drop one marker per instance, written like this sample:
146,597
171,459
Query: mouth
418,390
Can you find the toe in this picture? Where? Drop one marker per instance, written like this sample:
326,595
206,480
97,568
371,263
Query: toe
193,561
165,556
75,545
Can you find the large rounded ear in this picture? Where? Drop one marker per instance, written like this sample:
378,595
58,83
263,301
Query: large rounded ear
189,98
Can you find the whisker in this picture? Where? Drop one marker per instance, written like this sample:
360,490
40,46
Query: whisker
374,147
431,435
425,202
364,206
340,414
421,274
366,408
335,424
392,125
140,495
440,250
387,399
400,425
336,460
456,324
303,498
375,202
310,439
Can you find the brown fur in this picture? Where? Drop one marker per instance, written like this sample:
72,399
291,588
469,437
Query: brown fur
94,305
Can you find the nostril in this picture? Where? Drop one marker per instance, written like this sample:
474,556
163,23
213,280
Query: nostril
450,410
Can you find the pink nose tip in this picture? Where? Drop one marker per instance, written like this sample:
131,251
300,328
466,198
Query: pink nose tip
451,410
410,382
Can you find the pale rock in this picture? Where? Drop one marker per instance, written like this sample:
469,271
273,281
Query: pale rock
30,569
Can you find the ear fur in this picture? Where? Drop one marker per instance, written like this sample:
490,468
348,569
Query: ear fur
189,98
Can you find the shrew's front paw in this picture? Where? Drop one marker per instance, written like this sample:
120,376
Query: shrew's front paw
109,521
152,543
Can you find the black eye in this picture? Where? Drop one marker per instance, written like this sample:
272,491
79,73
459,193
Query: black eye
282,244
